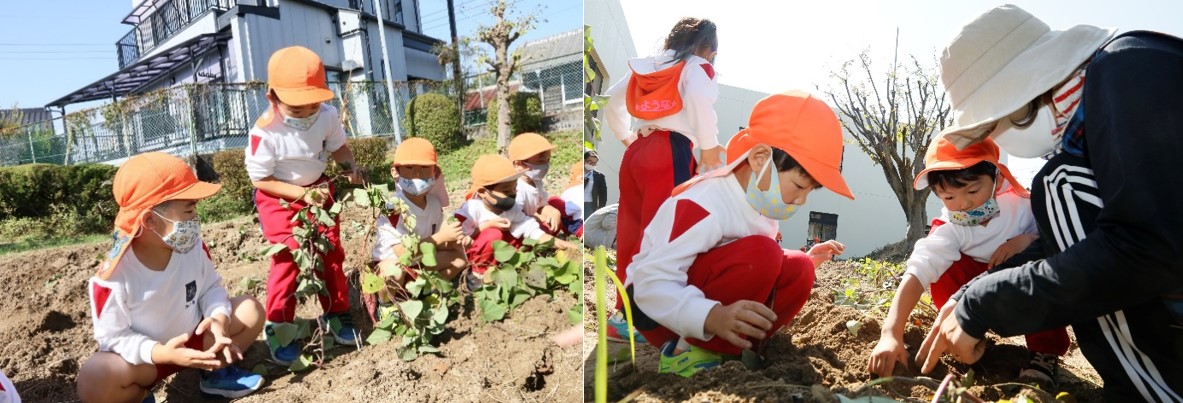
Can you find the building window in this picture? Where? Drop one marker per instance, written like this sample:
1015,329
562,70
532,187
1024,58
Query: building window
822,227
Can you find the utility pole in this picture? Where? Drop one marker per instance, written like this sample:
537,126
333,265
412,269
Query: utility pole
398,137
456,61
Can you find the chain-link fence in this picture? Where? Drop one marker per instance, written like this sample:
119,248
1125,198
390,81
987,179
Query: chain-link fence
187,120
558,83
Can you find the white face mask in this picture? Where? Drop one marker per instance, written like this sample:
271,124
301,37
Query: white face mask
588,167
537,172
303,123
415,187
1035,140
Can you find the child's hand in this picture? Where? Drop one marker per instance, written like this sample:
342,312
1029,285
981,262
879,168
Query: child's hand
355,176
448,233
742,318
550,217
825,251
886,353
499,223
316,196
176,353
711,159
1010,248
216,325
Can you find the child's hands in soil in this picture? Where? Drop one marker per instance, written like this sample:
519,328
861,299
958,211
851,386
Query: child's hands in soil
216,325
174,352
742,318
887,352
825,251
499,223
1010,248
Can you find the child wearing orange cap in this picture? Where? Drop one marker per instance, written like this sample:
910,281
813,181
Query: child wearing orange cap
290,147
992,221
530,153
157,303
710,280
417,174
490,213
672,96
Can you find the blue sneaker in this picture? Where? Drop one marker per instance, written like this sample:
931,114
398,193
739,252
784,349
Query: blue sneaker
230,382
281,354
618,329
341,326
150,398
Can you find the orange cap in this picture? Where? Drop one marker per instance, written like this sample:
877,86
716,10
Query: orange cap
297,76
802,126
527,145
491,169
415,151
575,177
143,182
943,155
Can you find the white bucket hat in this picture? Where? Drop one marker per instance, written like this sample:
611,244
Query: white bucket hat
1004,59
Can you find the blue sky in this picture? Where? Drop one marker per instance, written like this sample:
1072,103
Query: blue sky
49,48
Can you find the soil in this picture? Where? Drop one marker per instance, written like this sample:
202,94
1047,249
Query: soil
818,356
48,335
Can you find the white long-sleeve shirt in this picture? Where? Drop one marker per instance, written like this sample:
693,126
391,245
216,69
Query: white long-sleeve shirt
298,157
573,202
709,214
137,308
699,89
427,221
473,213
933,254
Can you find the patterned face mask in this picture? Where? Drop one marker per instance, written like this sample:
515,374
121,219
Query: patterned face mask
979,214
769,202
303,123
184,235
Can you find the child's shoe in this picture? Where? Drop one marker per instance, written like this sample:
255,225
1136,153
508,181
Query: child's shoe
230,382
688,362
1041,368
618,329
473,280
280,354
341,326
150,398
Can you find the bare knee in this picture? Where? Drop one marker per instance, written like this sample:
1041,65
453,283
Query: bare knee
247,314
107,377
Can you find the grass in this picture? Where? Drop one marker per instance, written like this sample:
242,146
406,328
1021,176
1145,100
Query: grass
457,165
31,244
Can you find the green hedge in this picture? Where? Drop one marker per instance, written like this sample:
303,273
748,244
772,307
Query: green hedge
435,118
76,196
525,114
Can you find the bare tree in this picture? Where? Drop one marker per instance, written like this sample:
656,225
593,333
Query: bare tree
508,27
893,124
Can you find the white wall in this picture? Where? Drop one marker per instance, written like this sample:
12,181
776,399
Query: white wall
872,220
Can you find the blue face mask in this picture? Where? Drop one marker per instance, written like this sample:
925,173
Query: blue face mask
415,187
769,202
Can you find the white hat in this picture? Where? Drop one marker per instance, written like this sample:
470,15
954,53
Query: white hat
1004,59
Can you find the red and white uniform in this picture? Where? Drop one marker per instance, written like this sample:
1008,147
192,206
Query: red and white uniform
137,308
294,156
707,246
391,229
480,254
530,198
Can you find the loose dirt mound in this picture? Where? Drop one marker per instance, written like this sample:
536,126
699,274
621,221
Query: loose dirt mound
48,335
819,355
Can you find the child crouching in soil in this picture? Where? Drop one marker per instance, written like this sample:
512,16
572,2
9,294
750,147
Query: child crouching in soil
157,303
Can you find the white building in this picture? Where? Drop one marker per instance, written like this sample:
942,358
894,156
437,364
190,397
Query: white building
870,221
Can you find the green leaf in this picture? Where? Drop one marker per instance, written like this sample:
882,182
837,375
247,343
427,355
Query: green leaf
370,283
428,253
304,328
404,260
285,333
518,298
387,322
529,242
411,308
324,217
566,278
379,336
535,277
429,349
575,316
273,249
416,287
408,355
853,326
440,315
492,311
301,364
336,209
503,251
506,278
361,197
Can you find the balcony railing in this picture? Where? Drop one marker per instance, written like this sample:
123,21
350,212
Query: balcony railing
166,19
